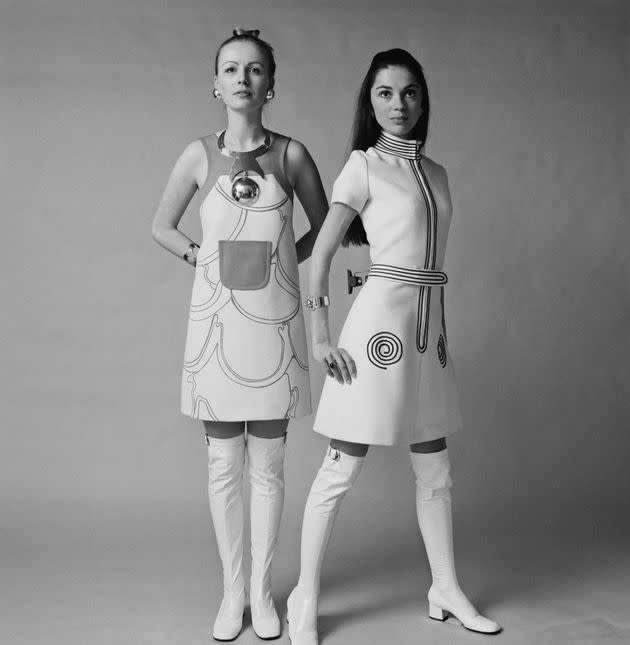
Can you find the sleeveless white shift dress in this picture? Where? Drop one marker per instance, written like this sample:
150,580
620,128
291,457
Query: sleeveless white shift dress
246,356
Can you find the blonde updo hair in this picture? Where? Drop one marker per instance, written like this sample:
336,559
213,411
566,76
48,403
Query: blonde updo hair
240,34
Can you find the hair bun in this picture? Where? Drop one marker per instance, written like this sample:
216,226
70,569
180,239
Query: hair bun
239,31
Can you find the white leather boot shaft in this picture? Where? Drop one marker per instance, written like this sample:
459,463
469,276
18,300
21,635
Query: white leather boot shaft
433,506
266,478
226,459
335,477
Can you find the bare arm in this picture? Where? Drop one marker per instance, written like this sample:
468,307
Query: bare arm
303,175
182,185
334,228
448,204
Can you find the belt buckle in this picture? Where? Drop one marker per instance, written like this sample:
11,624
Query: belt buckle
356,279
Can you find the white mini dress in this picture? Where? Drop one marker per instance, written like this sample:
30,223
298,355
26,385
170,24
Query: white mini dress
405,390
246,356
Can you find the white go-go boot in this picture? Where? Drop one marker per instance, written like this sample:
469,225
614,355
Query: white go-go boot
226,459
335,477
266,478
433,506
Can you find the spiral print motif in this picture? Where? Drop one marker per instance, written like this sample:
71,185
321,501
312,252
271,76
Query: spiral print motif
441,350
384,349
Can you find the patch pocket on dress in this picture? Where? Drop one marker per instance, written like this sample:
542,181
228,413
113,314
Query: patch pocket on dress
244,264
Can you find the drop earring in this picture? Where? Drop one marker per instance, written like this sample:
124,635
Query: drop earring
270,95
216,94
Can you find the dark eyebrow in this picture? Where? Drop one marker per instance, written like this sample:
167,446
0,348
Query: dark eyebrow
387,87
233,62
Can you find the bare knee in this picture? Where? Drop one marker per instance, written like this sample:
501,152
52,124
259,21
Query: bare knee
349,447
223,429
427,447
268,428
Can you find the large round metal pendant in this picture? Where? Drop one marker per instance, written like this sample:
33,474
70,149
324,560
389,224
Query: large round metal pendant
245,190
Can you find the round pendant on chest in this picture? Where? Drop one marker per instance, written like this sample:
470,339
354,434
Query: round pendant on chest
245,190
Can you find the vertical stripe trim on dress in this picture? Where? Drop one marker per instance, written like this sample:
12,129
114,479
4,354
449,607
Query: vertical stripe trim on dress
410,149
424,297
443,315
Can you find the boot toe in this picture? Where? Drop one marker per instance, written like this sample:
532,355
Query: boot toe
229,620
266,627
482,625
226,629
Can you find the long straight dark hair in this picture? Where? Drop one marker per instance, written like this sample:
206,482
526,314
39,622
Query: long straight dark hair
366,129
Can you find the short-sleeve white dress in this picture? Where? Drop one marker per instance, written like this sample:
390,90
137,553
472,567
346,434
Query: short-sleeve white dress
405,390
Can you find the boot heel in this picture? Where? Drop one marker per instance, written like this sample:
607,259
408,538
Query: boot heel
436,613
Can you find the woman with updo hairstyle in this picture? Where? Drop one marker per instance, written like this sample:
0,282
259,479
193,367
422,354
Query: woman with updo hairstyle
391,375
246,361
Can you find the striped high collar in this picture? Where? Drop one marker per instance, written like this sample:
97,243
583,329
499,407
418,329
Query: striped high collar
393,145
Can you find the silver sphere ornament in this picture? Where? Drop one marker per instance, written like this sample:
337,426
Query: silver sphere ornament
245,190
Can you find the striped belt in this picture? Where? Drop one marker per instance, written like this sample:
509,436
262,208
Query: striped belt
423,277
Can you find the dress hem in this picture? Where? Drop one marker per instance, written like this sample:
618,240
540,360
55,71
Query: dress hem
427,434
262,417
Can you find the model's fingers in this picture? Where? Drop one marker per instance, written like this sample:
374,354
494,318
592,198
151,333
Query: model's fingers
333,364
329,363
343,368
352,366
349,365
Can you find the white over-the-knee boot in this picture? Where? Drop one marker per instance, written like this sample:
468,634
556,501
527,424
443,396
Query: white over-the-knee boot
266,478
433,505
333,480
226,459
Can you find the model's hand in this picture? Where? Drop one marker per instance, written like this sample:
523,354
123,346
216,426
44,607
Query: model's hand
337,362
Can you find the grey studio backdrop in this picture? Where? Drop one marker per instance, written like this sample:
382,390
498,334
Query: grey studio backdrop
105,533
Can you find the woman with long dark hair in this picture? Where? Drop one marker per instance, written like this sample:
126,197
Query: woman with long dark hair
392,378
246,362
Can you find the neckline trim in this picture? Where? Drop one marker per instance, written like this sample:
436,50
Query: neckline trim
397,146
244,161
256,152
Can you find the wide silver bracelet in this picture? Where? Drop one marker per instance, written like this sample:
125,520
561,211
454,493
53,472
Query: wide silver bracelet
314,302
191,254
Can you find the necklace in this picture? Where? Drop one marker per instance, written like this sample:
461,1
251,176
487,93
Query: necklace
244,189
